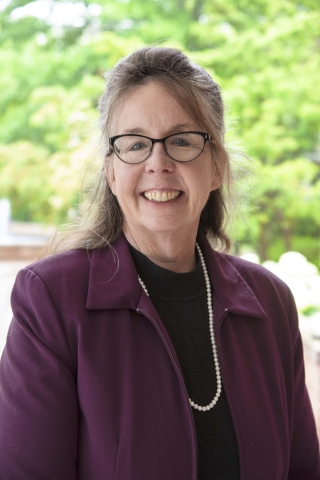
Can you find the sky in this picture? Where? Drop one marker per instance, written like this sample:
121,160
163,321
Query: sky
56,14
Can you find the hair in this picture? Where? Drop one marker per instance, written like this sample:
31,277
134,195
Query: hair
100,222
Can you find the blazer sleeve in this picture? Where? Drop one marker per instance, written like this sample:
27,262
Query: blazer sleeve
304,458
38,393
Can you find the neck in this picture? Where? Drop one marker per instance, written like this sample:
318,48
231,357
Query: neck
174,252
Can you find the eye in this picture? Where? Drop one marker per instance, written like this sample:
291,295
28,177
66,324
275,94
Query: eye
135,147
180,142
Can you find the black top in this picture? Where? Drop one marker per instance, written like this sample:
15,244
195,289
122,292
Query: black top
180,300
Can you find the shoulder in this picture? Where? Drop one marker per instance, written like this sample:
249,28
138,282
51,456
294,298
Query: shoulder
270,290
58,274
250,282
66,262
252,272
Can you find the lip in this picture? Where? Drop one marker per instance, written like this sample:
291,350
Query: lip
162,195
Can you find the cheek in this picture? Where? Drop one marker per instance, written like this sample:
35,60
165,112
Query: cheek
123,182
203,181
116,179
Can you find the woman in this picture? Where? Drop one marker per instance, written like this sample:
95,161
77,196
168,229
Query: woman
138,352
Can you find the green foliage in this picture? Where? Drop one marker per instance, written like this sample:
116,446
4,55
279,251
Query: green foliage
264,54
309,311
282,208
25,180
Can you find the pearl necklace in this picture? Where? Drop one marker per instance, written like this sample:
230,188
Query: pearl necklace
211,328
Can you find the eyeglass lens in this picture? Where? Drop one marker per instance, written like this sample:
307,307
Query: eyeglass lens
182,147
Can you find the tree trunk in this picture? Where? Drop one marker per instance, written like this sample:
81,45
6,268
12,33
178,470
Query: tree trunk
263,243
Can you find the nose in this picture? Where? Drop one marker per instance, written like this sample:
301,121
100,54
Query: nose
159,161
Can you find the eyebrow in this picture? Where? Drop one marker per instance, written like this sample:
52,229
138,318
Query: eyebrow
175,128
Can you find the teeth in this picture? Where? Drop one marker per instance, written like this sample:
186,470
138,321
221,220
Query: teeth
162,196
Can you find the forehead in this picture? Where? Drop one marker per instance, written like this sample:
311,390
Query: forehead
151,109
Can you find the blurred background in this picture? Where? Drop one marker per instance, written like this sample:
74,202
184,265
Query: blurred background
266,57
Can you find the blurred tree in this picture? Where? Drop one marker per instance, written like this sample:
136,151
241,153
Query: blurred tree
282,203
264,54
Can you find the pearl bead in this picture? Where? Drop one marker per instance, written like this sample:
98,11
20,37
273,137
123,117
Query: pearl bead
211,330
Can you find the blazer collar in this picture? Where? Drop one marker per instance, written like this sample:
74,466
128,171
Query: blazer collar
229,287
113,279
114,284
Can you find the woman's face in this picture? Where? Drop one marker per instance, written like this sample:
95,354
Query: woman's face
183,188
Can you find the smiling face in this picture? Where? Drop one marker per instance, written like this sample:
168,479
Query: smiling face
159,196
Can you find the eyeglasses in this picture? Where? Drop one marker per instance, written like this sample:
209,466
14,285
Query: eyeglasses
182,147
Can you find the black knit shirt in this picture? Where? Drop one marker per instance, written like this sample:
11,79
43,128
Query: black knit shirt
180,300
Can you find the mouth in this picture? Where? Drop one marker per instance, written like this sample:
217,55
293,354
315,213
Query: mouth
162,196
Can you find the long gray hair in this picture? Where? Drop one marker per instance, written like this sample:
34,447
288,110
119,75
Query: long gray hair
100,222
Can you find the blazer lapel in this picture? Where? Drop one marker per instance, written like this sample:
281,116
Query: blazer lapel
230,289
113,279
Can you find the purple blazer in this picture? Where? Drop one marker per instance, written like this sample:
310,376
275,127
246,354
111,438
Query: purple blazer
91,388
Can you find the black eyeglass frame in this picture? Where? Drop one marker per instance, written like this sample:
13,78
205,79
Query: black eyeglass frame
205,136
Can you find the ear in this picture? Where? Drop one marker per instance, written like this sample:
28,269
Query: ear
109,170
217,177
216,181
217,171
